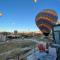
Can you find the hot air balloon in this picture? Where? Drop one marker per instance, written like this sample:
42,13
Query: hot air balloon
45,20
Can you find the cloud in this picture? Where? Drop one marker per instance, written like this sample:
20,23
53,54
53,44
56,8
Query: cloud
1,14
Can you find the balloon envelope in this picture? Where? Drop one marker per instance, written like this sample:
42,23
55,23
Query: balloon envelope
45,20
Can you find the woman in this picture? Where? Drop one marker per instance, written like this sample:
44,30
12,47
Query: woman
40,54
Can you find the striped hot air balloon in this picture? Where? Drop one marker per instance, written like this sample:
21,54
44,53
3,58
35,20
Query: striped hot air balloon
45,20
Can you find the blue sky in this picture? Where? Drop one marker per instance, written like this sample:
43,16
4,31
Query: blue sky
20,14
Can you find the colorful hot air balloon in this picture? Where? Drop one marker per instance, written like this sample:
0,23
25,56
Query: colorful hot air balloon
45,20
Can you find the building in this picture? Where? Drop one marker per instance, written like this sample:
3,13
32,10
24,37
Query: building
2,37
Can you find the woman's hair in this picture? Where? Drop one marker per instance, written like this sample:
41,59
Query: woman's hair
41,47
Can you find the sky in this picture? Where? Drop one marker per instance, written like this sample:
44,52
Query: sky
20,14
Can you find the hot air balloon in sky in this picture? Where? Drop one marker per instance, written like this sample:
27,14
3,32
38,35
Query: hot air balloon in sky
45,20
